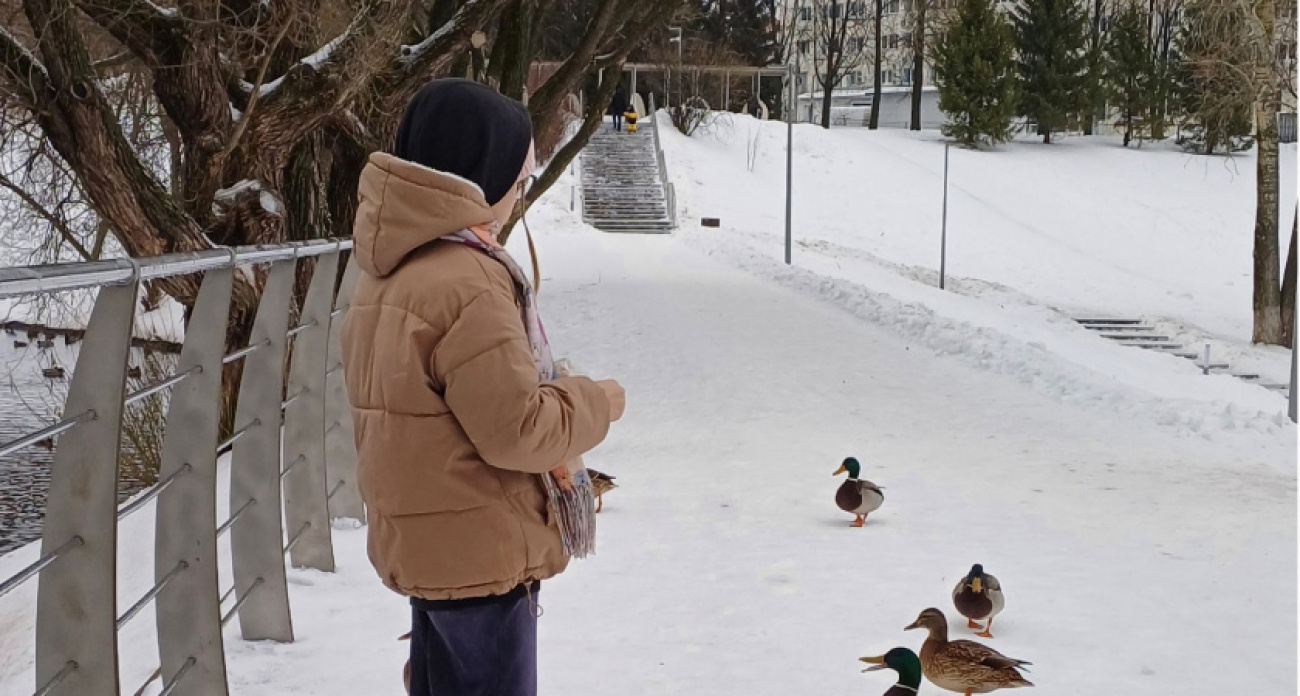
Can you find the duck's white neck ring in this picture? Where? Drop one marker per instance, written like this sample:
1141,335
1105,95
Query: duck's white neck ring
901,685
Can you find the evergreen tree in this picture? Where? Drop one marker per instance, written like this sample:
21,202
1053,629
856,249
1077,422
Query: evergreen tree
975,71
1131,71
1051,36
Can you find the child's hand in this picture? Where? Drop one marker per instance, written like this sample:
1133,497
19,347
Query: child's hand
563,477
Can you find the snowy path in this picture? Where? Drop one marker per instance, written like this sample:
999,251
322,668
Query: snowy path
1133,561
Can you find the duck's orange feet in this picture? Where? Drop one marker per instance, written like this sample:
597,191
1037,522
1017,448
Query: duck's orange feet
600,503
984,634
860,520
970,623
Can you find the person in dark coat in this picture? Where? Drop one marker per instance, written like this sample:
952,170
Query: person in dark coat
617,106
754,108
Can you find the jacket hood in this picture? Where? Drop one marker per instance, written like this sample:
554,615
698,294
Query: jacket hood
401,206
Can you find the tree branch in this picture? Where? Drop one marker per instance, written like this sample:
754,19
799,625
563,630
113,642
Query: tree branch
55,221
22,73
143,28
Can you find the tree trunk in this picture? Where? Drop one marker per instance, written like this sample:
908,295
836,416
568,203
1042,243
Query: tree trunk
1046,132
1289,285
1094,45
1267,296
876,87
1128,128
827,96
918,63
513,50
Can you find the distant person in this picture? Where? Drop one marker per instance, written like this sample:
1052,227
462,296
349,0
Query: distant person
617,107
754,107
465,429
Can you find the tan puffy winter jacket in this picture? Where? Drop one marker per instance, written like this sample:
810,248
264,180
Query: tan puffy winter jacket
452,428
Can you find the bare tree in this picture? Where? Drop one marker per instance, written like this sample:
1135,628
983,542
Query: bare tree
840,42
255,118
1247,29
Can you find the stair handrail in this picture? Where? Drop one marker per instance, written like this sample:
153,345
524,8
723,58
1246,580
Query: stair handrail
670,192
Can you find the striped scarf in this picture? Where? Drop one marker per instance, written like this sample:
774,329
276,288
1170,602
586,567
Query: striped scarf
573,501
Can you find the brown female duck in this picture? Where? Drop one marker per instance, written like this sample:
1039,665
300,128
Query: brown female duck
964,666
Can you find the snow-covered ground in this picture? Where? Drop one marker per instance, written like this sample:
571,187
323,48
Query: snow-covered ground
1141,552
1037,236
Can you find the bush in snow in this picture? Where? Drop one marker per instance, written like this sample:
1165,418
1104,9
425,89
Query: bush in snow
975,73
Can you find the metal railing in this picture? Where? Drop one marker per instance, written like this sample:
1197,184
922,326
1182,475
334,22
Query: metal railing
670,191
76,609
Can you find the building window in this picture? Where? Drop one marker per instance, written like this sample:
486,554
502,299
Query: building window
930,75
887,77
891,7
803,47
907,76
805,14
892,41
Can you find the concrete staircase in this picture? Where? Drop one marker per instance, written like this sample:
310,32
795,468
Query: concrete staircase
622,185
1136,334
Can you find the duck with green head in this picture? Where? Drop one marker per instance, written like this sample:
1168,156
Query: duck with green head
903,661
855,496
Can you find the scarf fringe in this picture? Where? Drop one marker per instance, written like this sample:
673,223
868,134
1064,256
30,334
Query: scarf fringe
575,511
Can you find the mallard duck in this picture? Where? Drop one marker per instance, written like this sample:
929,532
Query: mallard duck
964,666
601,484
978,597
856,497
903,661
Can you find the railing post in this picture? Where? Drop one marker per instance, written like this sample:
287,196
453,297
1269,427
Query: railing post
188,612
76,605
340,442
256,539
306,508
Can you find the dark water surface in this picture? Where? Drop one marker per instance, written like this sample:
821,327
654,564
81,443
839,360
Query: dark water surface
30,401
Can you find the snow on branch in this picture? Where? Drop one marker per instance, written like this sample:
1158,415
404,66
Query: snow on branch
20,70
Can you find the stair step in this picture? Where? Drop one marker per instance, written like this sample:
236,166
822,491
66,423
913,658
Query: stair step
1124,322
1134,337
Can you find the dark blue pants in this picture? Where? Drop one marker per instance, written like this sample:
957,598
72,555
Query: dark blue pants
475,647
618,121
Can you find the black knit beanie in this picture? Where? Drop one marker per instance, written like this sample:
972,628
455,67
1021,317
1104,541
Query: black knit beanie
465,128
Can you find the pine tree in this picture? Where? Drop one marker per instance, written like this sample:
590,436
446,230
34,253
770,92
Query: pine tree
1131,71
975,71
1051,39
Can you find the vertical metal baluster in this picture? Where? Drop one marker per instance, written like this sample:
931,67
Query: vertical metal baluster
340,443
305,486
76,605
257,539
188,613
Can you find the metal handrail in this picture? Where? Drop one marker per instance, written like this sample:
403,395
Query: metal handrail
670,192
38,565
82,511
27,280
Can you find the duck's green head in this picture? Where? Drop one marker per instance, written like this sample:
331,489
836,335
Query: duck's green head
901,660
975,578
850,465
